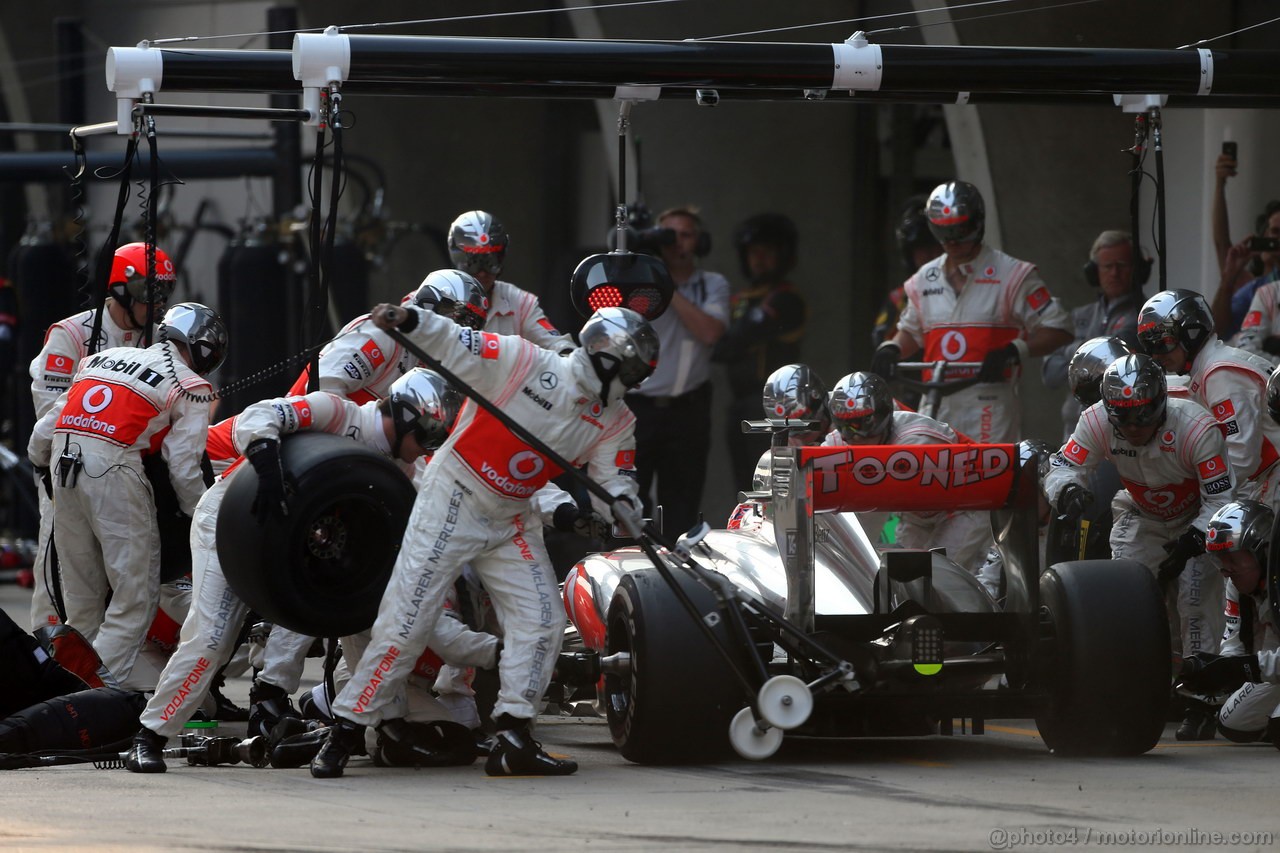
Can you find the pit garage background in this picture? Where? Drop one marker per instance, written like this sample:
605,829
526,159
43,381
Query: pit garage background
1053,175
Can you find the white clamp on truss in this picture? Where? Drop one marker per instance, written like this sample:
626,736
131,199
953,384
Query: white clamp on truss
858,64
131,73
318,62
1139,103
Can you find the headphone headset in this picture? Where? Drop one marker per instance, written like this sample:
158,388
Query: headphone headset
1142,265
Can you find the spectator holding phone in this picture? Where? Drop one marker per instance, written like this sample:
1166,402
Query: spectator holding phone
1245,266
1260,328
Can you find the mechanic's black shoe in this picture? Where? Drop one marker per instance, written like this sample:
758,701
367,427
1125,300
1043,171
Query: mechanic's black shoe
146,755
311,710
484,741
269,704
345,737
516,753
225,710
438,743
1201,723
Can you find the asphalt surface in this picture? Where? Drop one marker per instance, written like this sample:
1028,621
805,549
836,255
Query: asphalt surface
1001,790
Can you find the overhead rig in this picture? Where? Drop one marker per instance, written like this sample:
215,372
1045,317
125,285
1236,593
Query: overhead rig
855,70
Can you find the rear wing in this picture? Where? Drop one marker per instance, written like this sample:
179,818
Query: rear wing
906,478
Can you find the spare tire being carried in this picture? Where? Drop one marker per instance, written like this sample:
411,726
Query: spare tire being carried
322,570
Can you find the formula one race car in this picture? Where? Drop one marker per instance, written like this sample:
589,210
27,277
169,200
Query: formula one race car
732,637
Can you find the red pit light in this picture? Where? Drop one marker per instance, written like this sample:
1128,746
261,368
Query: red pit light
605,296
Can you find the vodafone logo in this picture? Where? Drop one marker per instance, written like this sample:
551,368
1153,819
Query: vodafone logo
96,399
525,464
953,346
1160,499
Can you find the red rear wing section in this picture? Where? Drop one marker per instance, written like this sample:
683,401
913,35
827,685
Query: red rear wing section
910,478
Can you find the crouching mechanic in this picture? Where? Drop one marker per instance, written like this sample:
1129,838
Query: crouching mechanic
123,403
1238,540
474,506
1172,462
403,426
863,413
1176,329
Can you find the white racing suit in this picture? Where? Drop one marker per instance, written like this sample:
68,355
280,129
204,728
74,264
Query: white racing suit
359,364
209,634
123,402
1262,320
474,506
1000,301
513,311
1248,711
65,344
1176,481
1232,385
966,536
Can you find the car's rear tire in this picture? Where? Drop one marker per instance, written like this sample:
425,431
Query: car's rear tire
321,570
677,701
1109,668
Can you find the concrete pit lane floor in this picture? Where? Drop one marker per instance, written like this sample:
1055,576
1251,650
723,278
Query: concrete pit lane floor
1001,790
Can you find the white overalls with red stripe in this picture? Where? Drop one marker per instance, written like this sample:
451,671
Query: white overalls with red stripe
1175,481
122,402
1232,385
999,301
474,505
65,344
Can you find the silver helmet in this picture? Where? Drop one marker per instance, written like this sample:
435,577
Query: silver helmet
1240,526
956,212
795,392
1273,395
1084,372
478,242
1134,392
621,345
1175,318
421,403
862,408
456,295
201,331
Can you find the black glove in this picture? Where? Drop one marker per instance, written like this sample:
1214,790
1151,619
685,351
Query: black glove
1074,501
565,516
1213,675
997,361
46,479
264,455
1186,546
1271,345
885,360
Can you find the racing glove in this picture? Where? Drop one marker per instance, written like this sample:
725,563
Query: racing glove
1074,501
565,517
1271,345
886,358
264,455
1214,675
627,516
1186,546
997,362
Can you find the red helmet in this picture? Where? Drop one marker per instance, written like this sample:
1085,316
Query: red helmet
129,274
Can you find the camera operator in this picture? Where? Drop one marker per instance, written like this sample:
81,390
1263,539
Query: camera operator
673,407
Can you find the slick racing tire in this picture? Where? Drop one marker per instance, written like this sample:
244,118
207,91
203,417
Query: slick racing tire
1109,669
676,703
321,570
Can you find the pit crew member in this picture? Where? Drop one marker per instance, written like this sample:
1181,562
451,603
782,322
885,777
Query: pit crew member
473,505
